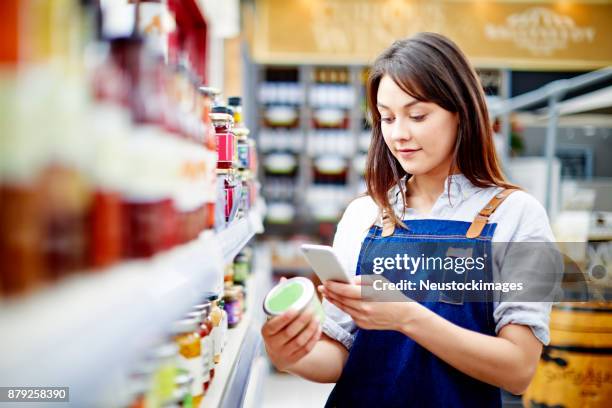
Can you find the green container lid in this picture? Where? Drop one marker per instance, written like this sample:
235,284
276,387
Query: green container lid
292,294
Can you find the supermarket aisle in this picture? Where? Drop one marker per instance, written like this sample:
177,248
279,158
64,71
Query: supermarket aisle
284,390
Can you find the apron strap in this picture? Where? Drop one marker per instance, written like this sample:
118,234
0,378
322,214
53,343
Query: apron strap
483,216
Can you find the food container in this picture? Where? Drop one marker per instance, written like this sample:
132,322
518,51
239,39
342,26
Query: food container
232,306
227,179
293,294
165,359
199,316
242,147
330,118
280,115
186,335
280,163
226,141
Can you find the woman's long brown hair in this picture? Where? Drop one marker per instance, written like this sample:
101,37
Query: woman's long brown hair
431,68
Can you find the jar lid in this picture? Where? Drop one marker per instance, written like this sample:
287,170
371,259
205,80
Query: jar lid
241,132
209,296
221,117
197,315
212,296
241,257
292,294
184,326
220,109
209,90
234,101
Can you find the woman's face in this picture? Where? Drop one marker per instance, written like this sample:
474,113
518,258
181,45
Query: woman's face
420,135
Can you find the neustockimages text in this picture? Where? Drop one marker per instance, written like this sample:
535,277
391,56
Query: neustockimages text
472,285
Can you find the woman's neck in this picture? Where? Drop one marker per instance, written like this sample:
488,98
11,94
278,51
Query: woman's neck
428,187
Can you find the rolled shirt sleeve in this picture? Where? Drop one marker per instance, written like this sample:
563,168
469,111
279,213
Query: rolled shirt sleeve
533,259
338,325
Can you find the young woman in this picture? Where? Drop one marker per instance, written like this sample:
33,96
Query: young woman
432,174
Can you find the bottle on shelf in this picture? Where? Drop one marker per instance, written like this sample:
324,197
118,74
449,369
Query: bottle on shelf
216,316
206,335
186,335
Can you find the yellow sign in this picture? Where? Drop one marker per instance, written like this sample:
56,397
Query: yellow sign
513,34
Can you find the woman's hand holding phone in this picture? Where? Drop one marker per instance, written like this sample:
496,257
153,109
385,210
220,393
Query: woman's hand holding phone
368,314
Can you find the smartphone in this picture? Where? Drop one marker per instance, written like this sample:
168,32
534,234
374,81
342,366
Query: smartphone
325,263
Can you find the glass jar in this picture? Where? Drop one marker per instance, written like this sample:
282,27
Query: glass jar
242,147
227,177
140,386
216,316
232,307
241,268
226,143
224,324
242,296
165,359
235,102
207,338
199,316
105,229
66,197
228,274
182,390
186,335
21,239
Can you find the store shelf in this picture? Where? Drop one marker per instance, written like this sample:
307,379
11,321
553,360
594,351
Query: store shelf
234,238
90,326
244,345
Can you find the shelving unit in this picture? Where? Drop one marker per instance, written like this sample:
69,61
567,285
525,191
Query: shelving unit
244,345
84,329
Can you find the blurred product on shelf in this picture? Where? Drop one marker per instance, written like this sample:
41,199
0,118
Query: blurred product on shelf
340,142
280,212
143,180
281,163
186,335
325,118
182,393
206,336
280,140
280,92
226,143
217,316
287,256
281,116
243,265
232,306
199,317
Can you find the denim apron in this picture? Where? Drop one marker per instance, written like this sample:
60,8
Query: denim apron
388,369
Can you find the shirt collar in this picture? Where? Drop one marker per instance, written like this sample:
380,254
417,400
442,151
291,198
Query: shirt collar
458,185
